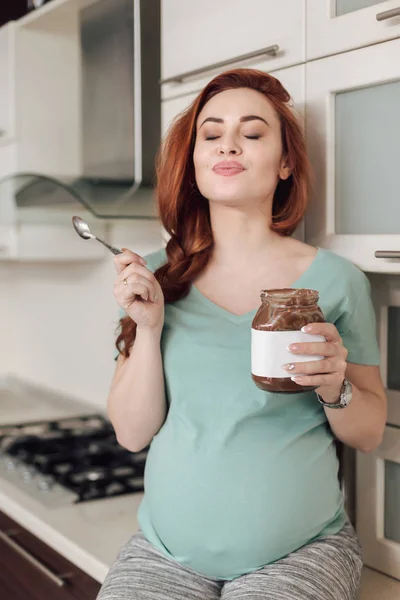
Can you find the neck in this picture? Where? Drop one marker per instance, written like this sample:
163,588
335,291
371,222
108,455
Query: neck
242,237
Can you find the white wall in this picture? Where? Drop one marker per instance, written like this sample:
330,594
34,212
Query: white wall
7,339
57,321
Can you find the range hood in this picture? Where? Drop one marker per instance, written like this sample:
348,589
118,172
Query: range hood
120,113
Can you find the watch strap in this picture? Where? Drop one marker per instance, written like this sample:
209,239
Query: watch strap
343,398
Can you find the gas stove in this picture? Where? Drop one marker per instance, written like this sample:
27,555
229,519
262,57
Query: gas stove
69,460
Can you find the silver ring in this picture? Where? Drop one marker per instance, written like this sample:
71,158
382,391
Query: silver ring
125,281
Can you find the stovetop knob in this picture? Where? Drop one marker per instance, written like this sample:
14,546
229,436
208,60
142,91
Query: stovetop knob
45,483
11,463
27,473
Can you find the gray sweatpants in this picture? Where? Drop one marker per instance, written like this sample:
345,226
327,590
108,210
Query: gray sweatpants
326,569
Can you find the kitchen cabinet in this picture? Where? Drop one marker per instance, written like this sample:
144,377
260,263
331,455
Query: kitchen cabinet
81,102
337,26
7,88
31,570
378,501
353,133
39,126
198,35
63,153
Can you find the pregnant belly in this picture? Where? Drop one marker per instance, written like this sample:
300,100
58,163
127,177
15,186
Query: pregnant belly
227,513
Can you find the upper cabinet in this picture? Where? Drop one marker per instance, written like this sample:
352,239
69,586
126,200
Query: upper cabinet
200,38
338,25
353,133
83,79
7,93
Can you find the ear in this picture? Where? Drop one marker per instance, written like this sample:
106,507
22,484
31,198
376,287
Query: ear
284,171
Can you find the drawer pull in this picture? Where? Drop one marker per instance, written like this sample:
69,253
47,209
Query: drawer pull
271,50
31,559
387,254
388,14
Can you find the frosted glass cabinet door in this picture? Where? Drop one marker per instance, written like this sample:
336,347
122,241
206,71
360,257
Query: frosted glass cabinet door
386,299
339,25
353,139
378,504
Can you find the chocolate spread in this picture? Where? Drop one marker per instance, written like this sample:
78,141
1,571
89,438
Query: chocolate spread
283,310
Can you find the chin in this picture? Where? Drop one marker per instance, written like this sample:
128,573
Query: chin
225,195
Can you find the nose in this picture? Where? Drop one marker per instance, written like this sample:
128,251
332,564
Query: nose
228,148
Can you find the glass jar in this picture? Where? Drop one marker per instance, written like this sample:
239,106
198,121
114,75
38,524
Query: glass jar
276,325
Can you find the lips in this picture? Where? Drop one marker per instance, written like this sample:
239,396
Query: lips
228,168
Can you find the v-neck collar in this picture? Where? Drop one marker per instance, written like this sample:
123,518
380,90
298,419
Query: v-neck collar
246,316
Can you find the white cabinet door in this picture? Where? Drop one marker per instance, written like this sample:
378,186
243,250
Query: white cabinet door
7,99
386,299
293,79
172,108
378,504
338,25
196,34
353,138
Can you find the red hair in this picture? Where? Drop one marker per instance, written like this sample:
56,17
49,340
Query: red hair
184,212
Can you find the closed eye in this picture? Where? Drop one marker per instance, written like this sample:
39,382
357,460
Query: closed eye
249,137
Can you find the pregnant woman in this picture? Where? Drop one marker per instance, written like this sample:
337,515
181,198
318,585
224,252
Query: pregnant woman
242,498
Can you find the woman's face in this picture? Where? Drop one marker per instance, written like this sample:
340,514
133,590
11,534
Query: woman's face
238,150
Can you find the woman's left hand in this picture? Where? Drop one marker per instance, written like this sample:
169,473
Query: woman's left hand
327,374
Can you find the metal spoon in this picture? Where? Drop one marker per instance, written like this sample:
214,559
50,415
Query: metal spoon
83,230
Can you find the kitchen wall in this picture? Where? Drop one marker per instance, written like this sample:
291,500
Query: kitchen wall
7,342
57,321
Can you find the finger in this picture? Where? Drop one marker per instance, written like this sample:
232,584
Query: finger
328,330
311,368
321,348
131,291
133,269
137,284
127,257
135,279
328,379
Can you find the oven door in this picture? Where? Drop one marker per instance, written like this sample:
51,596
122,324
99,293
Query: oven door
378,473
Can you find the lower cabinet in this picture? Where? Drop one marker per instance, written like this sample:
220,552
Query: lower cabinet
31,570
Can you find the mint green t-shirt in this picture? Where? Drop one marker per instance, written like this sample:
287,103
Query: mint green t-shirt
237,477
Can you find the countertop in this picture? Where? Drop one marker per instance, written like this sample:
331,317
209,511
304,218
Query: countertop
90,534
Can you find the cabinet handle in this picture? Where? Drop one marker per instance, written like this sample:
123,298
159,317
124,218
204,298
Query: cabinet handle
388,14
387,254
271,50
31,559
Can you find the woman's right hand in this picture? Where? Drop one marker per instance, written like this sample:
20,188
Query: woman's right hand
138,292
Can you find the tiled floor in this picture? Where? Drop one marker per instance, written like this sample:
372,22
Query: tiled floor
375,586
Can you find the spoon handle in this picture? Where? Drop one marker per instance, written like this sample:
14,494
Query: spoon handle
112,249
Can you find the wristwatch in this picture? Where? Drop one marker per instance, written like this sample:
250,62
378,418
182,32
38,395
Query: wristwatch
346,394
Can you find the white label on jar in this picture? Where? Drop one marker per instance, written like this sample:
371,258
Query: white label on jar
269,351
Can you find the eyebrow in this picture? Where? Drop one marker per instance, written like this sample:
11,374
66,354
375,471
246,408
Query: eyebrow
242,119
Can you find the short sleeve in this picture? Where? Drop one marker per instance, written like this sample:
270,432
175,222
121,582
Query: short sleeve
357,326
